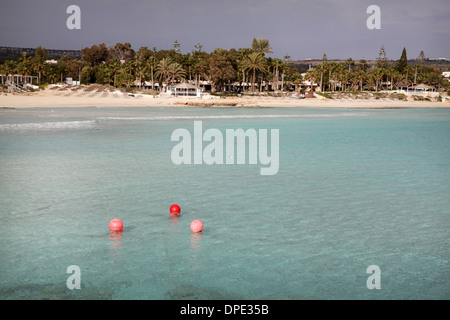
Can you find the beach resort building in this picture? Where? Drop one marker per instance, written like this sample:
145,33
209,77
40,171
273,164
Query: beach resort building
418,88
446,75
147,85
185,89
415,88
19,82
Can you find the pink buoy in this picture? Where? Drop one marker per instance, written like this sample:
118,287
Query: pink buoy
196,226
175,209
116,225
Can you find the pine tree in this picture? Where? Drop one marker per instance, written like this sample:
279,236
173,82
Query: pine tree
402,63
382,61
421,59
176,46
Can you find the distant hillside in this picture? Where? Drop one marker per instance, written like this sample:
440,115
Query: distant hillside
13,53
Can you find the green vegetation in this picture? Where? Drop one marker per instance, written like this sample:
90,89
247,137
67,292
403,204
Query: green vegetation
324,94
351,75
122,67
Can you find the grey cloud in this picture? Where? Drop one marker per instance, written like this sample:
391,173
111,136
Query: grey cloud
301,29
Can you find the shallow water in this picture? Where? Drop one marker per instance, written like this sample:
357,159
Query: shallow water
354,188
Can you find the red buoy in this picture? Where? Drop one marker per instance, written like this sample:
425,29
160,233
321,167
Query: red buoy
196,226
116,225
175,209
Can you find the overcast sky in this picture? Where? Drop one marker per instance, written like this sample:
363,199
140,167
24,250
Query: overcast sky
301,29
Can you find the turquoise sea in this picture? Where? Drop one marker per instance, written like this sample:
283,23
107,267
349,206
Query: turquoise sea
355,188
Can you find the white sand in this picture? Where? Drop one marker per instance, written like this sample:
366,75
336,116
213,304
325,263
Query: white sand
55,98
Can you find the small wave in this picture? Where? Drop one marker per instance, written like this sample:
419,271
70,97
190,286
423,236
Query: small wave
235,117
86,124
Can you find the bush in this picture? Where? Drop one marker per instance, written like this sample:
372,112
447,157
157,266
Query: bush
400,96
324,94
150,92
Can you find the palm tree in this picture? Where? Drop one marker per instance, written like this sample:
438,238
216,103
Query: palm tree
114,66
8,67
162,70
350,63
62,68
126,73
391,73
24,66
38,62
341,68
261,45
174,71
332,66
277,64
363,65
150,65
394,77
377,75
187,63
38,67
311,74
361,76
254,61
321,69
353,78
140,63
345,79
199,58
409,70
296,80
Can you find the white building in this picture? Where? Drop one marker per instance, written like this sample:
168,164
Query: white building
186,90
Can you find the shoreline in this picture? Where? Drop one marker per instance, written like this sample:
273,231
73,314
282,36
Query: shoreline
67,99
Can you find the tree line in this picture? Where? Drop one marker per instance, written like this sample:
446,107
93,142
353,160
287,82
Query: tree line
351,75
121,66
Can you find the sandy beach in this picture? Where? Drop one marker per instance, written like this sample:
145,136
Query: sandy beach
64,97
